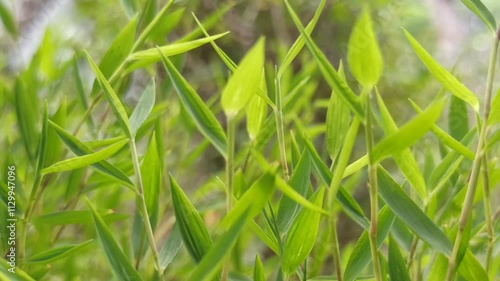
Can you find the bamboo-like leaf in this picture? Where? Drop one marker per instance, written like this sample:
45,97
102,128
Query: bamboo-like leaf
446,79
258,270
77,217
57,253
363,53
447,139
120,264
143,108
299,181
256,111
199,112
478,8
242,85
361,256
193,230
19,274
495,109
85,160
397,265
209,265
8,20
253,200
54,150
329,73
26,113
299,43
404,159
42,145
151,179
458,119
113,99
270,241
411,214
117,53
302,235
337,121
408,133
171,247
81,149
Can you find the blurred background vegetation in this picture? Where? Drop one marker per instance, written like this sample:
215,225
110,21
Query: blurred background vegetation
41,38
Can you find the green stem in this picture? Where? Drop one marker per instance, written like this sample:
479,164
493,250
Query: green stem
143,209
372,175
278,112
476,167
487,213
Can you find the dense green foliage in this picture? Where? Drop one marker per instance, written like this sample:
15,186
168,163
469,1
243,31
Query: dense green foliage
182,157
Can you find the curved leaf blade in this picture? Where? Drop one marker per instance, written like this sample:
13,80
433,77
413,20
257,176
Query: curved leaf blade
57,253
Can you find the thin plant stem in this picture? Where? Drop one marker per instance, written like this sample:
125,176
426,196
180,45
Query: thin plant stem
27,218
476,167
278,112
372,185
231,133
143,209
487,213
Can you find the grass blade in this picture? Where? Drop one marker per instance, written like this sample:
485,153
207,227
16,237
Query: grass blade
151,179
171,247
478,8
8,20
120,264
495,109
397,265
258,270
199,112
77,217
143,108
193,231
57,253
446,79
257,110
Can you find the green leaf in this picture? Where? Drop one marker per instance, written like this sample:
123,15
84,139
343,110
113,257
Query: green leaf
26,113
363,52
331,76
299,43
495,109
258,270
42,145
253,200
470,268
77,217
54,151
478,8
8,20
114,100
256,111
397,265
458,118
120,264
404,159
242,85
117,53
57,253
337,121
143,108
361,256
408,133
193,230
81,149
171,247
199,112
151,179
446,79
209,265
447,139
85,160
150,56
19,274
302,235
409,212
299,181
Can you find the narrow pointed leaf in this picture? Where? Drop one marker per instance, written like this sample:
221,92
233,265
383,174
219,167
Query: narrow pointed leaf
258,270
363,53
113,99
478,8
19,274
151,180
171,247
85,160
331,76
209,265
193,231
444,77
8,20
256,111
397,265
199,112
119,262
77,217
143,108
408,134
302,235
57,253
458,118
242,85
495,109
